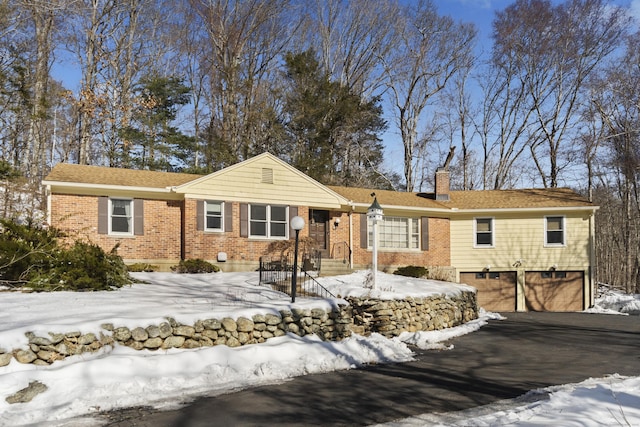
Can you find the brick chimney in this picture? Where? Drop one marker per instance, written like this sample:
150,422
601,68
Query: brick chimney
443,180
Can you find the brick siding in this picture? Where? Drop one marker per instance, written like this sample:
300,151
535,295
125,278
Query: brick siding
77,216
438,254
163,221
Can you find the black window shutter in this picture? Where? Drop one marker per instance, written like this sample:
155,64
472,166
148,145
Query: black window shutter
138,217
293,211
228,216
244,220
424,229
103,215
200,215
364,233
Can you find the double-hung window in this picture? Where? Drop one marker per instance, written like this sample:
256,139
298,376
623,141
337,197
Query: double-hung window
483,232
121,216
268,221
214,216
554,231
396,233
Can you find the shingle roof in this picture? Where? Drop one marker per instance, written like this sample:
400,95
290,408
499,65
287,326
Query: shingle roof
389,198
524,198
70,173
491,199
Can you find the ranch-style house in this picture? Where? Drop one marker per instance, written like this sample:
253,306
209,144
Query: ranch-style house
524,250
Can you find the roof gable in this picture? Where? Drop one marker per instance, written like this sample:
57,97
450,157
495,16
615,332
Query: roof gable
263,178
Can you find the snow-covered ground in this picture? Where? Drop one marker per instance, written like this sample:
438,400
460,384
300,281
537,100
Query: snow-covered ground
119,377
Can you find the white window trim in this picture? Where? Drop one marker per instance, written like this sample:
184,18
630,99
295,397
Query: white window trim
222,207
268,222
391,249
564,232
110,216
475,232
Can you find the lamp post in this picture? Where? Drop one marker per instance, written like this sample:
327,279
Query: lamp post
374,213
297,223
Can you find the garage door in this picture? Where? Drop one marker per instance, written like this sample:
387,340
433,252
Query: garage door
496,290
554,290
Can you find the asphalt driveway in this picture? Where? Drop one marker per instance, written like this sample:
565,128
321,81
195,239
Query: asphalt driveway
502,360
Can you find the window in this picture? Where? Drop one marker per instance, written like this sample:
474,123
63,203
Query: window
268,221
484,232
396,233
546,275
554,231
121,216
481,276
214,216
494,275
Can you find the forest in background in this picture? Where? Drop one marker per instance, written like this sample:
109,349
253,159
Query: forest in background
198,85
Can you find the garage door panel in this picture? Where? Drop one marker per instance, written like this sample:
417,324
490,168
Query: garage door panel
554,291
496,291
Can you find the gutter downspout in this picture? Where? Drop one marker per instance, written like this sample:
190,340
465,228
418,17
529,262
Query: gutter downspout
48,191
351,249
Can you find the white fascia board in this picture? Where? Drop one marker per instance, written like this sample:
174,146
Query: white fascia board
403,208
483,211
521,210
165,190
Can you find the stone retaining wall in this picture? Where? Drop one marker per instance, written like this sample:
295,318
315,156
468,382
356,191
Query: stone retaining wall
362,316
392,317
329,325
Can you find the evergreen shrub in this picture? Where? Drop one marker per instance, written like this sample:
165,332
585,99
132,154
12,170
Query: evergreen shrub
31,256
141,267
193,266
412,271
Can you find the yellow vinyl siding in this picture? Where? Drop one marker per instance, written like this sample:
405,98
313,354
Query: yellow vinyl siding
248,183
520,237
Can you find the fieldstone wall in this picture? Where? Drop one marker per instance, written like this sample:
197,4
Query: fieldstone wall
329,325
362,316
392,317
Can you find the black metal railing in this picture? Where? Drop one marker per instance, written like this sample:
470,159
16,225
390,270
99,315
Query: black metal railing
278,274
341,250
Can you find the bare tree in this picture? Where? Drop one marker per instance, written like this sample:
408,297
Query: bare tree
245,40
349,37
616,99
430,50
554,48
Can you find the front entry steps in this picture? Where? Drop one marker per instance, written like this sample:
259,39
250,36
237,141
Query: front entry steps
334,267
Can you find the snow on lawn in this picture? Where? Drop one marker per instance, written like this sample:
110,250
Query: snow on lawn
120,377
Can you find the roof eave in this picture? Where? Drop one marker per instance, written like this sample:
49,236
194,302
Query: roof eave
537,209
107,187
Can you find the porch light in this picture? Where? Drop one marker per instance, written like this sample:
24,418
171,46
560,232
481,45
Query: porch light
297,223
374,213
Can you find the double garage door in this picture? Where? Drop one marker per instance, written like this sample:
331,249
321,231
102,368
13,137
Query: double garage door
543,290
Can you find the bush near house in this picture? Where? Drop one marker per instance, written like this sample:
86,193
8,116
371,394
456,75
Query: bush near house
141,267
412,271
194,266
31,256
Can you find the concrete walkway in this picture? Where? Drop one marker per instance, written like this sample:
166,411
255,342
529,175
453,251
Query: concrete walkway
502,360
